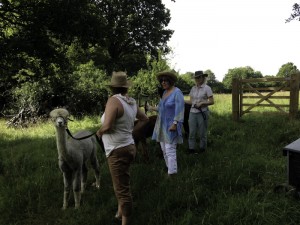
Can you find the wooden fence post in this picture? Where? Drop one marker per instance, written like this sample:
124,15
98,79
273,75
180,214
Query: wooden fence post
235,99
294,95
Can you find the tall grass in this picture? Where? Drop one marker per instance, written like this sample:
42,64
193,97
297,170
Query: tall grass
231,183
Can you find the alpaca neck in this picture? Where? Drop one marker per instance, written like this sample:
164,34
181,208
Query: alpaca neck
61,142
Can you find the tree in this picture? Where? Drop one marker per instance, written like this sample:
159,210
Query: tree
295,14
188,80
134,29
34,36
211,78
216,86
145,81
286,70
49,38
239,72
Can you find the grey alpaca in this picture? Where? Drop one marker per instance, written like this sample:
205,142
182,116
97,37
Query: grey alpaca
73,156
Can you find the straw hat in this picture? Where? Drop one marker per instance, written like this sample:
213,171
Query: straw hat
168,74
200,73
119,79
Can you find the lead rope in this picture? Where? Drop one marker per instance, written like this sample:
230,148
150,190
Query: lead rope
81,138
99,140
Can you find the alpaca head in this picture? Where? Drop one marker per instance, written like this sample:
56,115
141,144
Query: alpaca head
59,117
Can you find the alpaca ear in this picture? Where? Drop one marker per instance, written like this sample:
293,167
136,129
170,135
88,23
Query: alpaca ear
64,113
52,113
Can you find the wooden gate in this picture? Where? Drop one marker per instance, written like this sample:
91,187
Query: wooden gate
244,89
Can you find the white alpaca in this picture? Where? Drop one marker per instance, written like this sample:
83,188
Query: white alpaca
73,156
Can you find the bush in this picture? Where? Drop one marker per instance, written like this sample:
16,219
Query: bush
83,92
89,92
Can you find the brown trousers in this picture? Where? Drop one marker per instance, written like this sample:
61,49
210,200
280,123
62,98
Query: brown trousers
119,163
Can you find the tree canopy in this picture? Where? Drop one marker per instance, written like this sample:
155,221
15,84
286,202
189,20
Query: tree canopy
37,34
134,28
295,15
286,70
240,72
49,39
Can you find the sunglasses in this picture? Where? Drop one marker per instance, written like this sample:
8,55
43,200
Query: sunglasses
164,80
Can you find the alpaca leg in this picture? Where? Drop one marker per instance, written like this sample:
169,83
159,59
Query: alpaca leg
66,198
84,177
77,187
67,188
77,198
96,167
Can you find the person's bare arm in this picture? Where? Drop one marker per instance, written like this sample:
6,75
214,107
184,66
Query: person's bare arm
188,101
113,110
151,108
210,101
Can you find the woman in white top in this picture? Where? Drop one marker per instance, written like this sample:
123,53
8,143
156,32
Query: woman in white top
116,133
201,96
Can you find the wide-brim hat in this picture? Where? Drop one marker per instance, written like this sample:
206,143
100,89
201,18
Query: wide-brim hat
169,74
200,73
119,79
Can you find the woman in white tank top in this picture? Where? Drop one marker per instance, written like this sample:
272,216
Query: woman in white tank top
116,133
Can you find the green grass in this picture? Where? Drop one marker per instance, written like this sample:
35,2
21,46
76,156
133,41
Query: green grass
232,183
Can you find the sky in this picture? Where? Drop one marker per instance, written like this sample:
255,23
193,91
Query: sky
224,34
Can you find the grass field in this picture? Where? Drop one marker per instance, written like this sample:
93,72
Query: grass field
232,183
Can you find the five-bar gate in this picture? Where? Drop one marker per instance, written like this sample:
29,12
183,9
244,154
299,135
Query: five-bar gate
244,89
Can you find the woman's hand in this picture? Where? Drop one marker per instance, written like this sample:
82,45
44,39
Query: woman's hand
173,127
151,108
99,134
198,105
